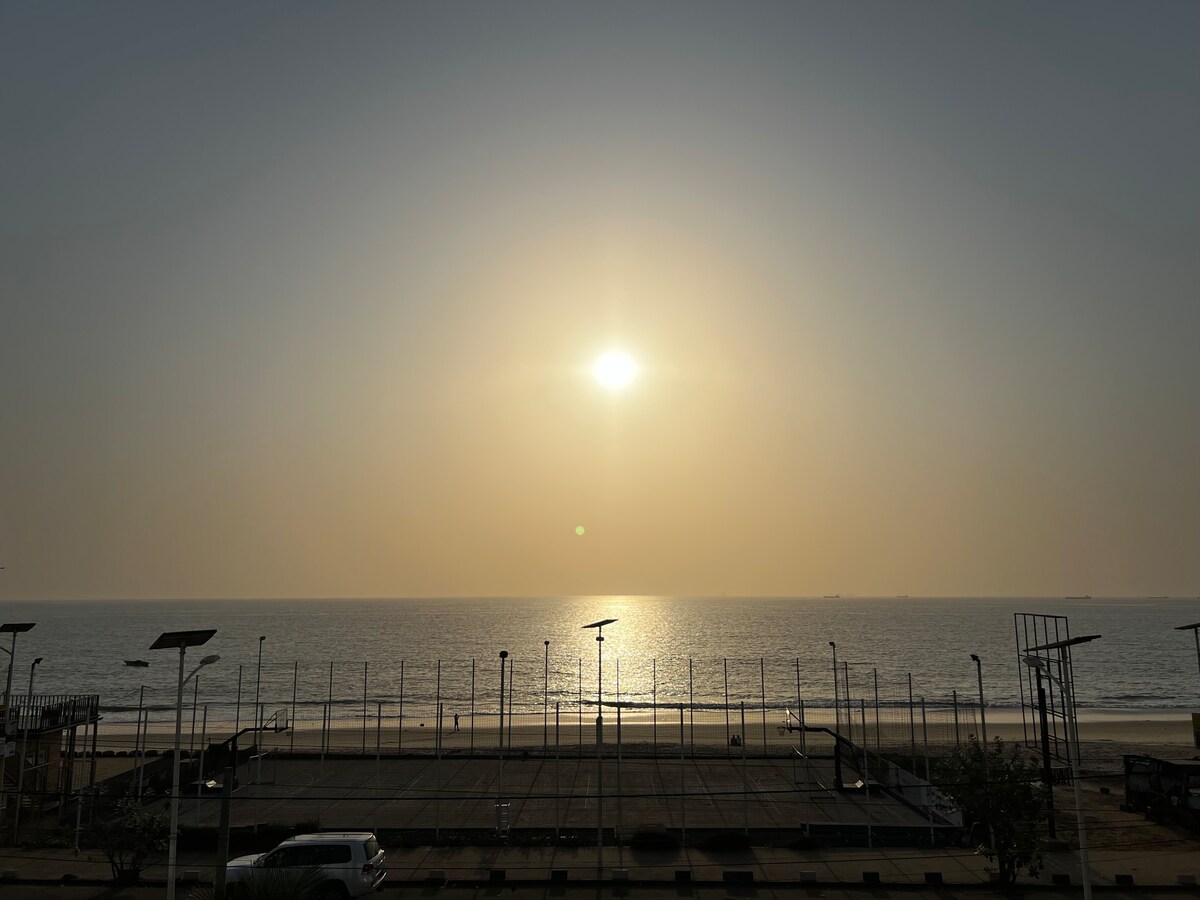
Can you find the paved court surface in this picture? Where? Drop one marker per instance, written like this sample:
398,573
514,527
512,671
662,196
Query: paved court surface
463,793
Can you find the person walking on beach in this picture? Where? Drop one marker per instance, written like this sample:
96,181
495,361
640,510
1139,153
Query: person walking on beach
456,721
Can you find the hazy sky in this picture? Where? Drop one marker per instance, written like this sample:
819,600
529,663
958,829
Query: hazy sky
301,299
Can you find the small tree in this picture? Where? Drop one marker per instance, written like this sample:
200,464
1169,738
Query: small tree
130,837
1002,800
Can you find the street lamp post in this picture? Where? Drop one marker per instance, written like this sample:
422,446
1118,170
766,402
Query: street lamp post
24,752
13,628
599,626
1065,681
181,640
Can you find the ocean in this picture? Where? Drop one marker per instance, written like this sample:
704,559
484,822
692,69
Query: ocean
668,649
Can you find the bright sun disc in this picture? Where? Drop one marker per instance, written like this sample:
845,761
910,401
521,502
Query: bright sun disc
614,370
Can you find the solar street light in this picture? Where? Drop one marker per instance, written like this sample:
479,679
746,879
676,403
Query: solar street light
181,640
13,628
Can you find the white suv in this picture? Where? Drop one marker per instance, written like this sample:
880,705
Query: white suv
351,861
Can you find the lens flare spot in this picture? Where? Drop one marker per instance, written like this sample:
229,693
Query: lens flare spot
579,530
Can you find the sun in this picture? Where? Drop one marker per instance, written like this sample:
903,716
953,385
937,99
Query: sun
615,370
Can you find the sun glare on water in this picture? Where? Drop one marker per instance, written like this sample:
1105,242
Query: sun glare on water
615,370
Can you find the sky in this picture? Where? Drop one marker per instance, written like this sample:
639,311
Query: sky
302,299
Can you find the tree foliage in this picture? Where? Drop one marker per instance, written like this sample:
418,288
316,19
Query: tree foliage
1002,799
130,837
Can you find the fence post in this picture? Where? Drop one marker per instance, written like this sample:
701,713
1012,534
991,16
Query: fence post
471,738
912,727
925,738
237,716
437,767
292,729
329,711
195,701
437,704
620,805
800,711
691,708
928,792
580,706
512,666
954,700
878,736
654,707
762,683
682,784
557,711
378,732
364,716
400,726
137,742
862,711
200,773
745,777
725,677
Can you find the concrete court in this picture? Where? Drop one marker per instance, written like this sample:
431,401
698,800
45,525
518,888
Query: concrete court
544,794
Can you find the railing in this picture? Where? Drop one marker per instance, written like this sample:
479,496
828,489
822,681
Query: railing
49,712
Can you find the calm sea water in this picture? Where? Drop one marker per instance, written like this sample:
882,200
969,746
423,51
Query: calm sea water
1141,662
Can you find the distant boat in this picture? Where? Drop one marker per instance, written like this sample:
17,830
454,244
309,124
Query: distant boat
1080,597
833,596
137,663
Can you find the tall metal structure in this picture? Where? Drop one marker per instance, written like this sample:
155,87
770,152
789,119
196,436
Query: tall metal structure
1035,631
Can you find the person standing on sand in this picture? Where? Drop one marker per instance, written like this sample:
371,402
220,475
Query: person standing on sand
456,721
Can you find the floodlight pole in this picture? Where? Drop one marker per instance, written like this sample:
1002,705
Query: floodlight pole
987,778
599,626
837,712
32,668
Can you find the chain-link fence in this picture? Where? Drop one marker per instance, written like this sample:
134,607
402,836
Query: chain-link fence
748,743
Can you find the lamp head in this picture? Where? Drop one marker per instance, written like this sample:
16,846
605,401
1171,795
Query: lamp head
38,660
832,644
209,660
1036,662
975,657
261,638
504,654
